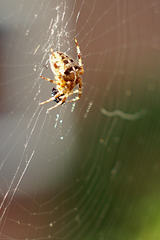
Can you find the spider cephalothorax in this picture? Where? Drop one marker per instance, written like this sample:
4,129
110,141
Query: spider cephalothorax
67,76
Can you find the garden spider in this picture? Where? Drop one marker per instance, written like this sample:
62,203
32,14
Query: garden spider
67,76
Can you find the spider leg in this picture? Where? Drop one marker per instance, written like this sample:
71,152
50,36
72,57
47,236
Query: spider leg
52,98
58,104
79,57
79,81
80,86
73,100
76,91
49,80
78,52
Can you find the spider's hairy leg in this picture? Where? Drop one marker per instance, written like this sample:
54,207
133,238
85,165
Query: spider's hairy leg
49,80
80,86
52,98
79,53
58,104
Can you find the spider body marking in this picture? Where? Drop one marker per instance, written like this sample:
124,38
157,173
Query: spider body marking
67,75
53,93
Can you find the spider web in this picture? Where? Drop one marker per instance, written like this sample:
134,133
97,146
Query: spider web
88,169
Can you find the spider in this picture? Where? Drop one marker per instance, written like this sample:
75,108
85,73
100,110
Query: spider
67,76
